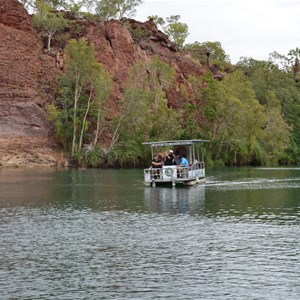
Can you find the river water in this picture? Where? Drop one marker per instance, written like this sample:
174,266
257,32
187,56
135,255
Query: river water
100,234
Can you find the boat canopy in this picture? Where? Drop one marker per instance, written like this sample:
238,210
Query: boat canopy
173,174
175,143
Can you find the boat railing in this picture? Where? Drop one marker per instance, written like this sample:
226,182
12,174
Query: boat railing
172,172
197,165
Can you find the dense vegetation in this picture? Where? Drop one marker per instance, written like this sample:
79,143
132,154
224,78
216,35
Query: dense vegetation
251,113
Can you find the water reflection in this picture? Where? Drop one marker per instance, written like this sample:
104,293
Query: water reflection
261,194
175,200
251,194
100,234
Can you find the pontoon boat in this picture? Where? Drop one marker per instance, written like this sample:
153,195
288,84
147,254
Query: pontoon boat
175,174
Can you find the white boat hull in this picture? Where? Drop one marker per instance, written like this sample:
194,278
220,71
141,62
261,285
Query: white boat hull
174,175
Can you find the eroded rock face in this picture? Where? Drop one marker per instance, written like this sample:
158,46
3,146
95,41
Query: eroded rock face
13,14
25,133
117,49
28,77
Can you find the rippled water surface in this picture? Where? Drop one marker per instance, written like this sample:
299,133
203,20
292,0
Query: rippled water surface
100,234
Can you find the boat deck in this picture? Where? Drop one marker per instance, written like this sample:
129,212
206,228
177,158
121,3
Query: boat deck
175,175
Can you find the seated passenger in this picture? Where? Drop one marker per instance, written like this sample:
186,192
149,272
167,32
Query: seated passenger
183,165
157,163
169,159
183,162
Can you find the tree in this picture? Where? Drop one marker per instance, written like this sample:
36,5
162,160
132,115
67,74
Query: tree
33,5
102,84
114,9
293,58
276,134
48,21
84,90
177,31
234,119
159,21
207,52
192,114
145,114
270,76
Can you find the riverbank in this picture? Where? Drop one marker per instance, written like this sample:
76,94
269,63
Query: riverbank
29,159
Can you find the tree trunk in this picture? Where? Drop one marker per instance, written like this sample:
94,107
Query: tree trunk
98,125
49,41
76,97
84,120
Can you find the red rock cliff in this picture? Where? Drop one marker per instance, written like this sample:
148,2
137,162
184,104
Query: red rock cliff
24,131
28,78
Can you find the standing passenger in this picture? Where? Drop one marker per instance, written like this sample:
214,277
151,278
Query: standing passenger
169,159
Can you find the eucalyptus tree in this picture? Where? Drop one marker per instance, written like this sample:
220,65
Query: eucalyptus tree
84,89
251,117
234,118
275,76
176,30
276,134
294,59
114,9
159,21
145,114
48,21
207,52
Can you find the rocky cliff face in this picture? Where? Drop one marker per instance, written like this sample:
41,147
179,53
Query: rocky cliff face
28,77
25,134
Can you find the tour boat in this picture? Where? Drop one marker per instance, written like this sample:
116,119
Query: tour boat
175,174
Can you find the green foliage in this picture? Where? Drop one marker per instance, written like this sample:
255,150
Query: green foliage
60,40
177,31
276,76
192,115
115,9
207,52
138,32
159,21
48,21
275,138
62,123
89,16
84,89
145,114
234,119
294,59
93,157
74,7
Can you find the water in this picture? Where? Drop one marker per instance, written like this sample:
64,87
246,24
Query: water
100,234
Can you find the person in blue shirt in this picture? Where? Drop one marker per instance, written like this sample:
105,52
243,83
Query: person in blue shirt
182,164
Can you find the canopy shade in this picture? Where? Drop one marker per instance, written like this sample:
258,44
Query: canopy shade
175,143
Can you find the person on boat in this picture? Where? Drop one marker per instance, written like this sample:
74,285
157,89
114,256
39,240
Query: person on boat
183,164
169,159
182,161
157,163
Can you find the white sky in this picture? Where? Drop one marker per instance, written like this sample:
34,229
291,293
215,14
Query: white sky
251,28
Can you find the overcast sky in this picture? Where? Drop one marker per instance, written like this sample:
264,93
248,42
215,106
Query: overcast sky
251,28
